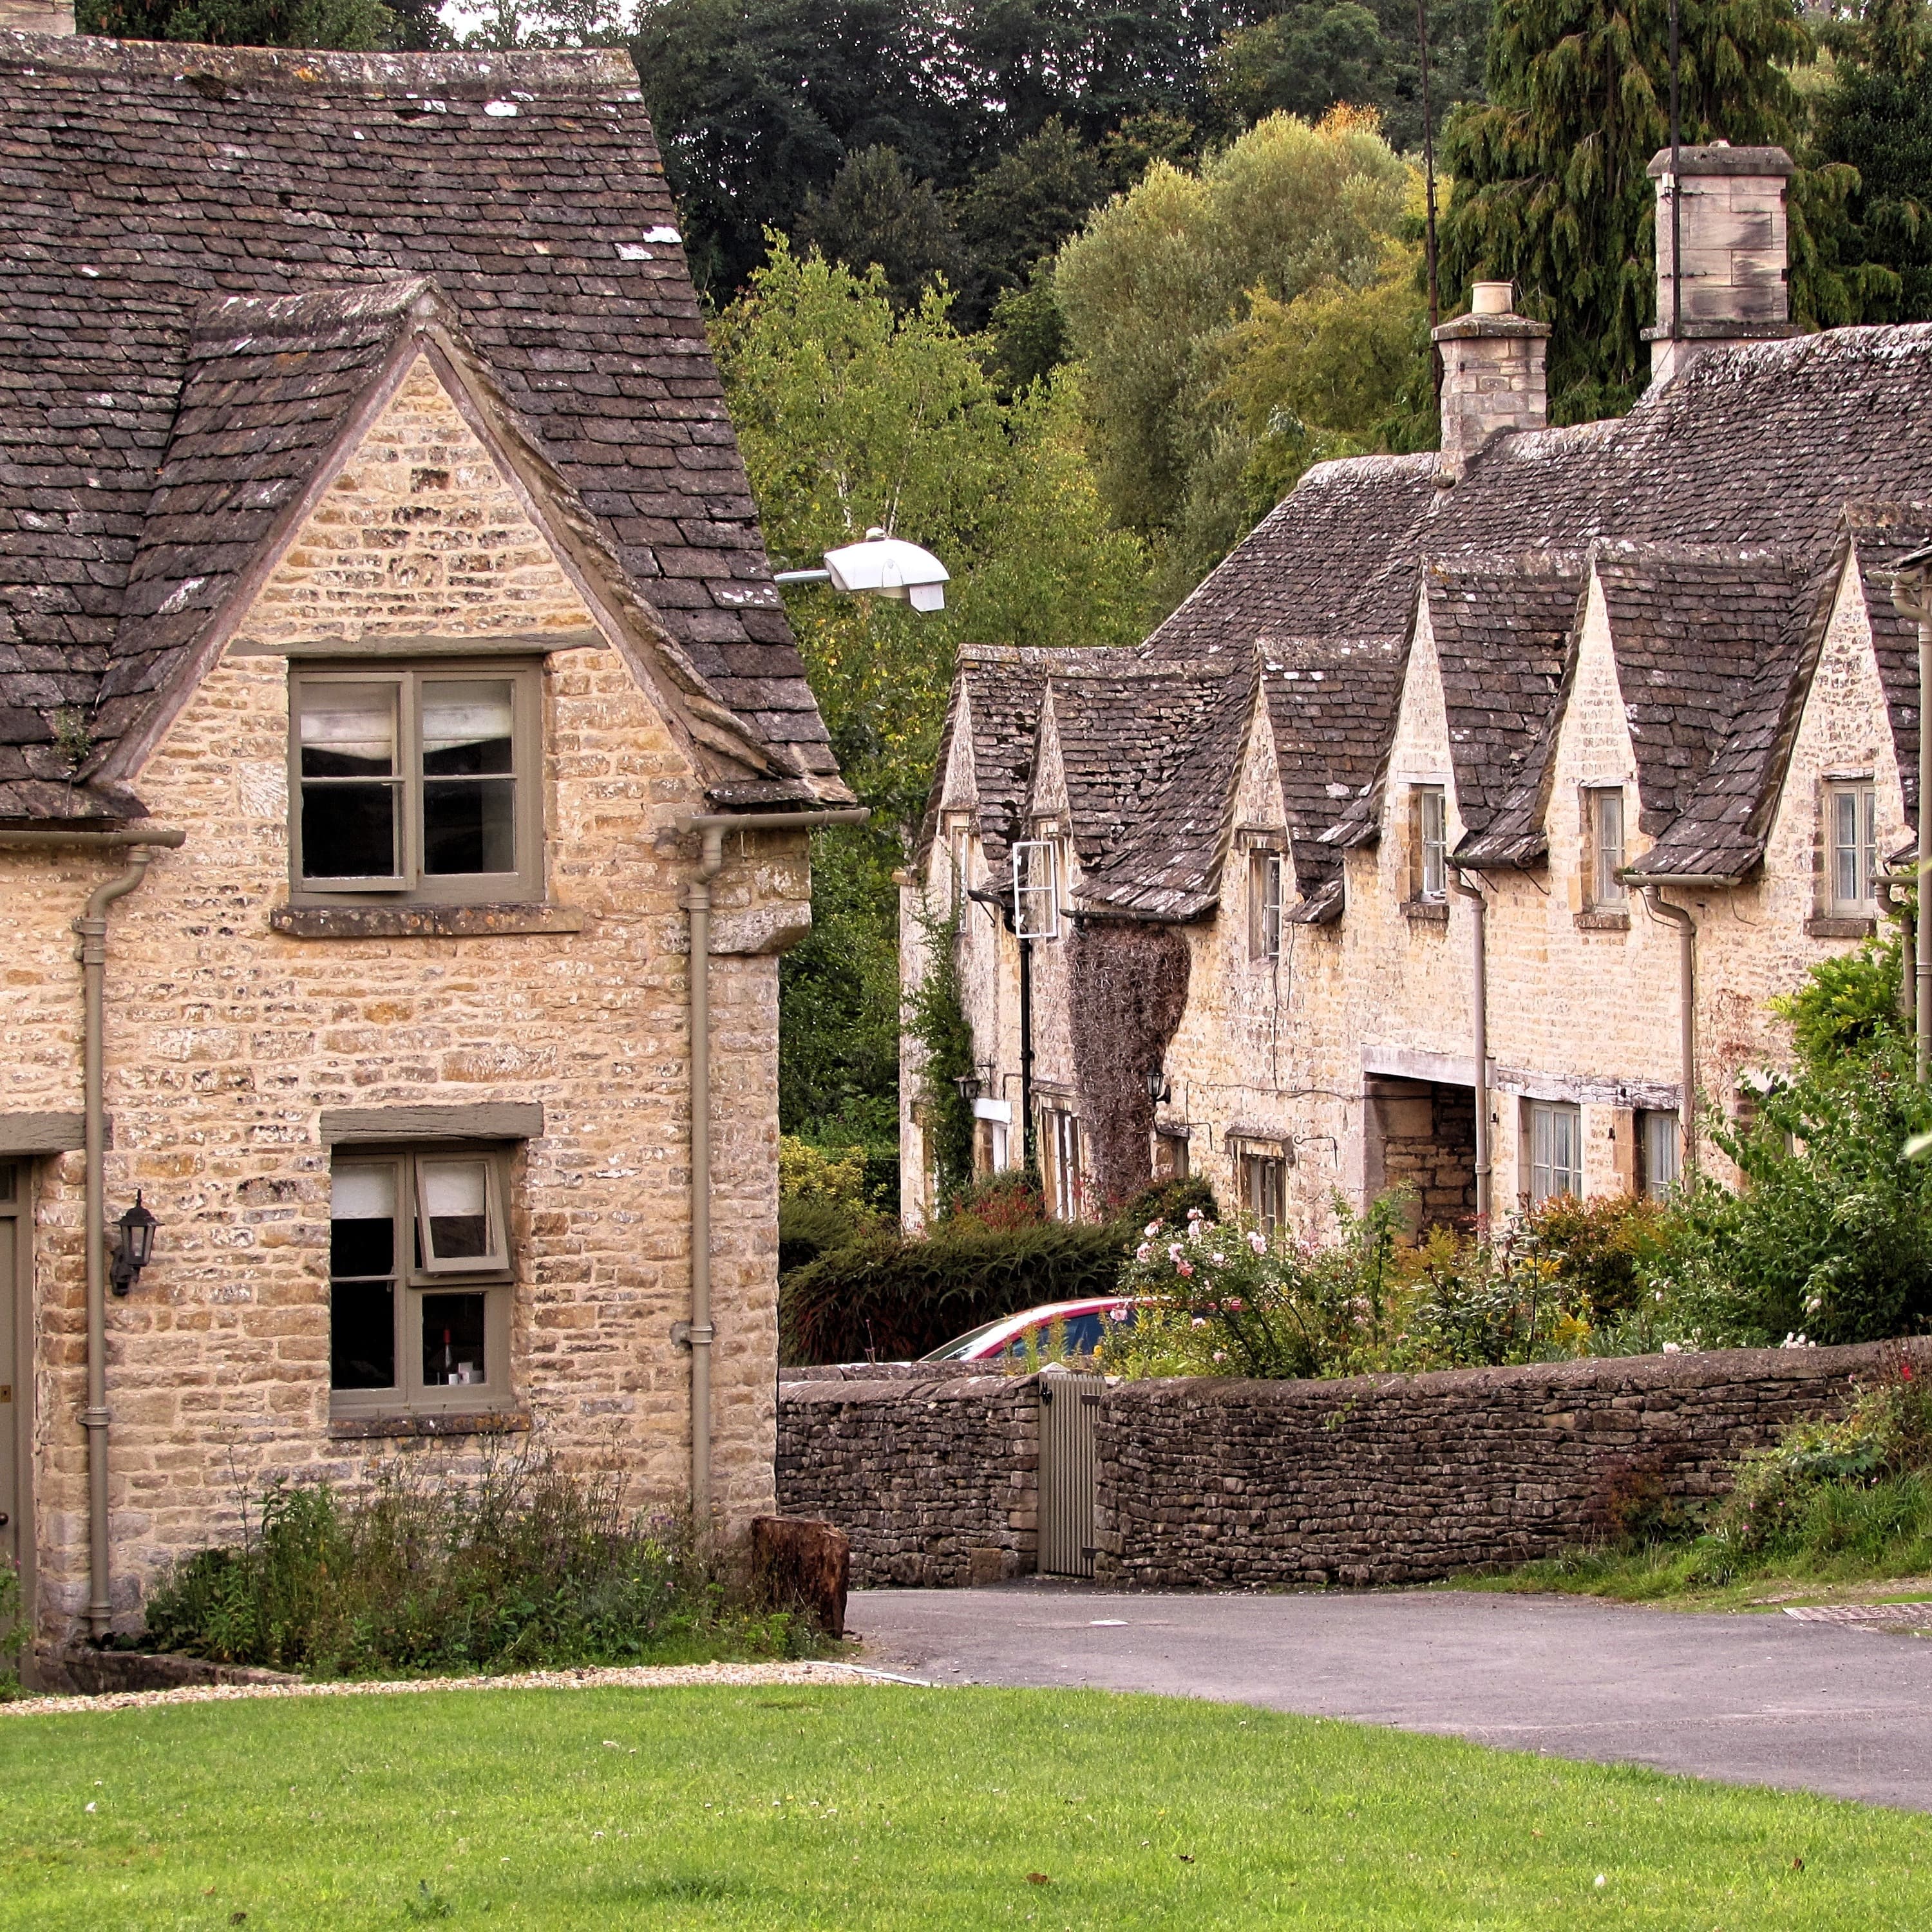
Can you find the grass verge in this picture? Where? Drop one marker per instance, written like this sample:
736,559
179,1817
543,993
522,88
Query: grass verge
871,1809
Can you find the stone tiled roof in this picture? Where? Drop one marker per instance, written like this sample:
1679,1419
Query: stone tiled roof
145,184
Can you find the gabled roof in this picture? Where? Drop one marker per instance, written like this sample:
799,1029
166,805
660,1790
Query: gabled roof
147,185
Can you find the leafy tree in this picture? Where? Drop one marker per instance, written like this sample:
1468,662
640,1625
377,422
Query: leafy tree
1316,54
356,25
876,213
1875,116
1551,190
851,413
1018,212
1156,288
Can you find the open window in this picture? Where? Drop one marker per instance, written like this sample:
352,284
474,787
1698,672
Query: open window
1036,889
1265,869
1430,830
420,781
419,1281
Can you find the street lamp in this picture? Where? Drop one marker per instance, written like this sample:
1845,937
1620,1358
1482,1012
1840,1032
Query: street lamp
137,1245
881,566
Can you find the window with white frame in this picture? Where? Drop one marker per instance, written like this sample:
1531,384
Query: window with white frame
1852,855
959,851
1060,1148
1264,894
1036,889
419,1275
1431,807
1659,1138
1264,1180
1605,807
420,781
1555,1131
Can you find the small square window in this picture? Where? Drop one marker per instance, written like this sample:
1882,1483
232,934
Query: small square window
1431,880
1555,1135
1606,815
419,1302
1852,857
420,780
1264,895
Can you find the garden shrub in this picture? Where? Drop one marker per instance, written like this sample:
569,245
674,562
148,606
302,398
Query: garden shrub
999,1202
527,1568
810,1226
892,1297
807,1172
1171,1201
13,1630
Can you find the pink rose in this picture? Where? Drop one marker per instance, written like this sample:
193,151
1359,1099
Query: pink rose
1184,1268
1143,1253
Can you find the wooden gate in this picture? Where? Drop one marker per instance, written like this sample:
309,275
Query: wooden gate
1070,1416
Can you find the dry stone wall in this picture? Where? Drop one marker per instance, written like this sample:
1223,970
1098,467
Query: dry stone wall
935,1482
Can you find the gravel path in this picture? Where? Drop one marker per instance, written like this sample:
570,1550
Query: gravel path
639,1677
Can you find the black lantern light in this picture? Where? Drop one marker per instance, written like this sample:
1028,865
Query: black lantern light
137,1244
968,1084
1158,1090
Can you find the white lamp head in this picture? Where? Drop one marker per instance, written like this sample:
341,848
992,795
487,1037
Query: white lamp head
889,567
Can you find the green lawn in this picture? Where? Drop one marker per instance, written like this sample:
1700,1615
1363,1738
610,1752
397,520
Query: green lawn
861,1808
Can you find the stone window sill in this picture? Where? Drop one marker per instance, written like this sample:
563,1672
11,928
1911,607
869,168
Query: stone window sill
1603,922
1820,926
1426,912
422,922
490,1422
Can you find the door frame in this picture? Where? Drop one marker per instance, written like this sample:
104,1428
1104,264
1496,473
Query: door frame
20,1211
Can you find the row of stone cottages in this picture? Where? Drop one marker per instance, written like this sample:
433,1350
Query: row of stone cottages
1457,829
393,693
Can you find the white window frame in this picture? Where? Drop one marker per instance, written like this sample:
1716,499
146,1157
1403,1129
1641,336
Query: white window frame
1060,1140
1432,843
1851,847
414,1279
1661,1150
1265,894
1548,1125
1605,804
1036,889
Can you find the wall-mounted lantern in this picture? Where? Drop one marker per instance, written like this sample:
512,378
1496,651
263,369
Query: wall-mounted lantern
1158,1090
968,1084
137,1244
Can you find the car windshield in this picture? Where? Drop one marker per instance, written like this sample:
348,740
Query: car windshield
957,1349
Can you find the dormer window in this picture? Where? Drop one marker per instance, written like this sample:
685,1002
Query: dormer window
959,853
416,781
1430,809
1852,855
1603,808
1265,871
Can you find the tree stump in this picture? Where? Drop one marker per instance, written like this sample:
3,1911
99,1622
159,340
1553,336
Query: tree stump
800,1565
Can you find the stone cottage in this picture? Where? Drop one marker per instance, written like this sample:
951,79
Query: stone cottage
1455,830
394,701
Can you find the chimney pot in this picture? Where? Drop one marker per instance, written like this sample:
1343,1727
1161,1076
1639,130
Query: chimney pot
1491,297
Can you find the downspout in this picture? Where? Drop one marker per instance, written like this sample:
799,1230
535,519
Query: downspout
1029,1150
1687,1014
698,1332
1479,1009
91,926
1912,598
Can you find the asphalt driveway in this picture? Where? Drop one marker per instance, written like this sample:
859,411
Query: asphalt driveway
1761,1700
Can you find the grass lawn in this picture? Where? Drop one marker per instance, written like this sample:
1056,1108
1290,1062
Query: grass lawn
1664,1575
862,1808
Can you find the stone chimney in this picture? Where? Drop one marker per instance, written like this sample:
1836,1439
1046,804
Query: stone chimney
1733,286
1493,373
37,16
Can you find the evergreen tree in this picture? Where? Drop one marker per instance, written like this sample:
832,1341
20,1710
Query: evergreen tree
1552,191
356,25
876,214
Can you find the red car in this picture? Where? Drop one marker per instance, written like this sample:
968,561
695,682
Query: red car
1090,1324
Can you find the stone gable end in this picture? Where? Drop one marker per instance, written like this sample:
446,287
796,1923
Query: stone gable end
1593,748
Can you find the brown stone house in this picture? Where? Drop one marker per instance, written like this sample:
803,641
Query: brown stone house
1576,693
391,682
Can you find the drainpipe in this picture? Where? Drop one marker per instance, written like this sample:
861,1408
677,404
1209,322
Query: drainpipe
1912,597
1479,1009
1686,1013
91,926
697,1334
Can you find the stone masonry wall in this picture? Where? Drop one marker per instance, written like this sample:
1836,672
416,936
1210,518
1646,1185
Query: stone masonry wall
226,1039
936,1483
1397,1479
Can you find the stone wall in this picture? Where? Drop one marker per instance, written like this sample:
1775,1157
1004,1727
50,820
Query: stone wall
935,1482
1398,1479
1229,1484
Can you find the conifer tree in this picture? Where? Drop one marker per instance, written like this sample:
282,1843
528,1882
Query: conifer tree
1551,188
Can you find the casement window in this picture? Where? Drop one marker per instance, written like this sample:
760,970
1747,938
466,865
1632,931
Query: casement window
959,851
1430,807
1036,889
1555,1136
1170,1156
1659,1151
1851,825
417,781
1060,1150
419,1275
1603,806
1264,1183
1264,892
989,1148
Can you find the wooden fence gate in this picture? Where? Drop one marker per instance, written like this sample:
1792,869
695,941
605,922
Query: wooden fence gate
1070,1415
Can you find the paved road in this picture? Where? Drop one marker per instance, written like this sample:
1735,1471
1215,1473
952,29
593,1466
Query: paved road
1760,1699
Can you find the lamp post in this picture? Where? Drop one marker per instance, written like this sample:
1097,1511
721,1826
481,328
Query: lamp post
1912,597
137,1228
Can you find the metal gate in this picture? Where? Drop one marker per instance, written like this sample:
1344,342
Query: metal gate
1070,1415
